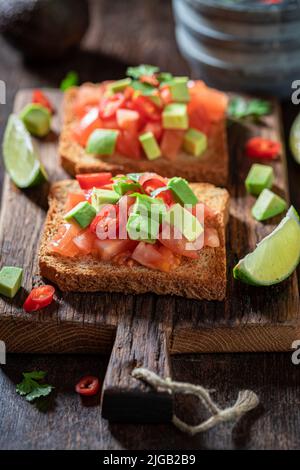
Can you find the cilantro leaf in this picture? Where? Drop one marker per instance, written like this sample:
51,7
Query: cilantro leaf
71,79
145,88
140,70
31,387
240,108
164,78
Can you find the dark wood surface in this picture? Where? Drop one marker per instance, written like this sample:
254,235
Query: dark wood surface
72,424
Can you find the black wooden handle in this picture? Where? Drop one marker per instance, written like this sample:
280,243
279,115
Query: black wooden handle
140,342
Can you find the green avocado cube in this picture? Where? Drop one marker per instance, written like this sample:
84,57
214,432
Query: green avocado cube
119,85
175,116
104,196
182,191
259,178
147,206
268,205
10,280
179,89
37,119
102,141
195,142
150,145
184,221
142,228
122,187
83,214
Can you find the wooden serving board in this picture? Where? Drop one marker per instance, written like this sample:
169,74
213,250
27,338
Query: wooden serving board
144,329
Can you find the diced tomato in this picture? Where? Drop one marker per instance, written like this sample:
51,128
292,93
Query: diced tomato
86,126
199,117
105,224
146,108
38,298
87,96
110,123
150,256
73,199
213,101
177,243
62,243
260,147
88,386
128,120
85,242
171,143
110,104
166,95
211,237
155,128
94,180
40,98
129,145
128,93
165,194
108,249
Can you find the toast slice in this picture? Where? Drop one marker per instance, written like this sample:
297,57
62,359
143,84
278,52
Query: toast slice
204,278
211,167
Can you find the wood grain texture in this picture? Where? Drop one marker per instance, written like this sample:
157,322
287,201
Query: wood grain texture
251,319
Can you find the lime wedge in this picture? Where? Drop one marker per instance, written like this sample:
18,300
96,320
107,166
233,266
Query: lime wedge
294,139
20,157
275,257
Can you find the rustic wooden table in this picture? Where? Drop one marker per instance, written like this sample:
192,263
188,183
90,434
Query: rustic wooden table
146,36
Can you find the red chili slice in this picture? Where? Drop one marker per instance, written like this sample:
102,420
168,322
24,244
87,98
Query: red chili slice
38,298
259,147
39,97
93,180
88,386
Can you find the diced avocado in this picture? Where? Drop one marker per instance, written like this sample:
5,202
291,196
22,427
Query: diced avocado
186,222
119,85
156,99
134,176
182,191
103,196
142,228
10,280
147,206
268,205
259,178
179,89
83,214
37,119
102,141
150,145
122,187
175,116
195,142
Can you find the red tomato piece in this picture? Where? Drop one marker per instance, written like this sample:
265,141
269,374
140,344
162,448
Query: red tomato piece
166,94
165,194
259,147
211,237
86,126
88,386
40,98
105,224
128,145
146,108
177,243
155,128
171,143
110,104
149,176
87,97
108,249
213,101
85,242
199,118
128,120
38,298
94,180
62,243
150,256
73,199
110,123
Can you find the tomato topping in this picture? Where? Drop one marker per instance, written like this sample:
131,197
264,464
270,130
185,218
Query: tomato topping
105,224
211,237
152,257
87,97
128,119
177,243
40,98
86,126
38,298
150,79
165,194
129,145
146,108
155,128
199,118
171,143
73,199
166,95
85,242
108,249
94,180
88,386
149,176
214,102
259,147
62,243
110,104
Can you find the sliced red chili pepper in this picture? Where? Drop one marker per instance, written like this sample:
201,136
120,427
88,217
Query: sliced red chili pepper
109,105
39,297
150,79
88,386
93,180
106,223
146,108
260,147
39,97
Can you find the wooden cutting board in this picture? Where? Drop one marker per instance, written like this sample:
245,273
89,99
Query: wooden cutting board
144,329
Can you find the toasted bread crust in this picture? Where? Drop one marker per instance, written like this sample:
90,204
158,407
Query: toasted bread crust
204,278
211,167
